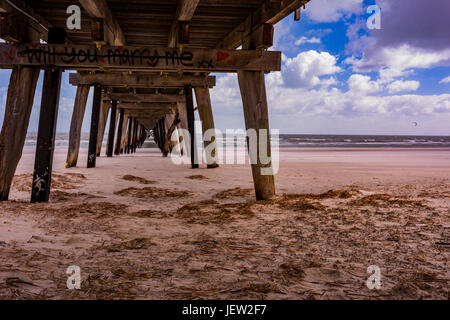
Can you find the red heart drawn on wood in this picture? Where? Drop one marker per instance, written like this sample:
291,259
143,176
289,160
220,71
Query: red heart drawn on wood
222,56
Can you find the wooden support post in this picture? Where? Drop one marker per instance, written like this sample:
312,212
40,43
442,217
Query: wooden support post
112,130
124,133
19,102
191,125
133,137
96,105
102,126
76,125
129,134
254,100
206,116
162,136
45,146
119,131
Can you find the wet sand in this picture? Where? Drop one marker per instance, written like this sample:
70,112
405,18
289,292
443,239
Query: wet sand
140,227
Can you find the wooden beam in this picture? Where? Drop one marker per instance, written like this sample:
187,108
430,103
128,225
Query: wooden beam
147,106
141,81
34,23
270,12
124,132
185,12
159,98
96,105
76,124
79,57
99,9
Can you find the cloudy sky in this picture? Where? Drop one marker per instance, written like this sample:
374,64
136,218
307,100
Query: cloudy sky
339,77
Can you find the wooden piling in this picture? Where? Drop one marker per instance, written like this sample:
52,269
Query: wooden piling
191,126
96,105
19,103
104,111
76,125
129,135
119,132
206,116
124,133
112,130
254,99
45,145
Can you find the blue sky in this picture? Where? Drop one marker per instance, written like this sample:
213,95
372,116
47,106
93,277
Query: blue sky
338,77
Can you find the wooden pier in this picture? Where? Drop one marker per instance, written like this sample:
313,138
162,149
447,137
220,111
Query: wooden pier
143,59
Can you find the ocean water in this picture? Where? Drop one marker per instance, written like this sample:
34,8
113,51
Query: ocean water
306,141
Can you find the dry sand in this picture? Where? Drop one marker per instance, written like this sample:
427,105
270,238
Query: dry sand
140,227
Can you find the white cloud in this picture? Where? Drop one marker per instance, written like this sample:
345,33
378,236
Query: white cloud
399,61
304,40
360,84
445,80
399,86
304,70
332,10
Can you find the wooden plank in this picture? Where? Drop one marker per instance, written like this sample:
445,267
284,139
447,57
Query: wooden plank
134,58
119,132
141,81
185,12
127,97
269,12
112,130
99,9
19,103
96,105
191,126
76,124
45,146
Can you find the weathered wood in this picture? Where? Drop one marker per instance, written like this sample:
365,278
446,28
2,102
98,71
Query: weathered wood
142,80
133,58
119,132
269,12
37,24
96,105
112,130
172,122
104,111
191,125
148,106
42,175
76,125
254,101
45,145
206,116
126,118
185,12
19,103
129,135
153,98
100,9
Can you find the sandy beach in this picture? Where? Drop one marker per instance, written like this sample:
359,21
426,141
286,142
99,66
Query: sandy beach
140,227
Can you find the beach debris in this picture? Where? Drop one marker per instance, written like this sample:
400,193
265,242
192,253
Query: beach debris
129,177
